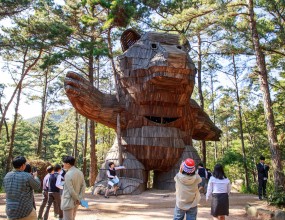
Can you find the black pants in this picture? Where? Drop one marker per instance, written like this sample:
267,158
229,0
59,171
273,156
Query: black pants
262,188
53,197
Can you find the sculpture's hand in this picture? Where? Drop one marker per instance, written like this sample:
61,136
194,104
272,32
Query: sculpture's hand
89,101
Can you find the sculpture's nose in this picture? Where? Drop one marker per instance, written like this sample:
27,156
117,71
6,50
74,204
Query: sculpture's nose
175,56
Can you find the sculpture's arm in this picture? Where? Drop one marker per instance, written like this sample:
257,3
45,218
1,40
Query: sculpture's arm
204,128
90,102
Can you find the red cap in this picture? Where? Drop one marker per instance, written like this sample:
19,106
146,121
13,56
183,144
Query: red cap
189,162
189,165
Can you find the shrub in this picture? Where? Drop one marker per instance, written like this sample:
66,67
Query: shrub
276,197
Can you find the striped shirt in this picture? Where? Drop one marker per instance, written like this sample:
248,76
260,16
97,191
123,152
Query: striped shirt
19,188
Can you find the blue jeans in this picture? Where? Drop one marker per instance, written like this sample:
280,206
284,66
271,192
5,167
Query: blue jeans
191,214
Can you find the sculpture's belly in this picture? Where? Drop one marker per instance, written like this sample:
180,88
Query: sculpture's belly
158,148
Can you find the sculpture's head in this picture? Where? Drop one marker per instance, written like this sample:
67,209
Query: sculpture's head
156,68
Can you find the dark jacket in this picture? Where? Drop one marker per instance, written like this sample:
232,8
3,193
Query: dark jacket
262,171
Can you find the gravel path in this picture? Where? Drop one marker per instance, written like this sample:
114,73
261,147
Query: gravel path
152,204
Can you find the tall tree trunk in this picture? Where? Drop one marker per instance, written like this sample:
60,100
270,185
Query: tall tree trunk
200,91
76,136
6,125
85,148
213,111
43,115
13,132
118,98
93,156
263,80
241,125
24,74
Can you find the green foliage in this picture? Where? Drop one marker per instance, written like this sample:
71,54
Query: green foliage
276,196
10,8
25,139
121,12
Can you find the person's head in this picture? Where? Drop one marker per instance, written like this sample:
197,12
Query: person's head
19,163
68,162
111,165
188,167
200,165
49,169
28,168
57,168
219,172
262,159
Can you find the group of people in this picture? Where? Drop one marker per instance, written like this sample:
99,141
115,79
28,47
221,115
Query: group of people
63,186
190,184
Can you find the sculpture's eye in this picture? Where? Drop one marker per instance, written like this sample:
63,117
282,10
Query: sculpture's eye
179,47
153,46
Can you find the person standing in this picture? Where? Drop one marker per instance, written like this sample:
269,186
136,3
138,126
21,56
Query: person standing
113,178
54,185
73,190
204,175
262,170
28,169
187,192
219,187
45,192
19,187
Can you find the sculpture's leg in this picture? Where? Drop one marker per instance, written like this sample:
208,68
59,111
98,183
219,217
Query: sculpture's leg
165,180
132,179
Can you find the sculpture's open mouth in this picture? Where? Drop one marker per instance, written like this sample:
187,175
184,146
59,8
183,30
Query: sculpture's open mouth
160,120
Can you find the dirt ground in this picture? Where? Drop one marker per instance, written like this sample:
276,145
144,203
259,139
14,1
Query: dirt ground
152,204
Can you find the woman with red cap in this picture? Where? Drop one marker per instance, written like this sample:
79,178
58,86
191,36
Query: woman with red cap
187,192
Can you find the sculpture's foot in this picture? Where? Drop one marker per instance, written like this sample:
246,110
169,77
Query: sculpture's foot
165,180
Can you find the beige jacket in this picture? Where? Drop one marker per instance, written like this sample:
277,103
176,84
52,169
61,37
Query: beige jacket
74,188
187,192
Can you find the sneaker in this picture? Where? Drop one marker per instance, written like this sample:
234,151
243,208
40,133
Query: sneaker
107,197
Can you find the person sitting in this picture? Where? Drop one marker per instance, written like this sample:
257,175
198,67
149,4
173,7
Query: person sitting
113,178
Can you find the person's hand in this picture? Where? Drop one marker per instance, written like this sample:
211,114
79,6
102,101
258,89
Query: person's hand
35,174
181,167
77,202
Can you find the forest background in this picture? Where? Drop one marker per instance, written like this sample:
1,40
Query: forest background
238,47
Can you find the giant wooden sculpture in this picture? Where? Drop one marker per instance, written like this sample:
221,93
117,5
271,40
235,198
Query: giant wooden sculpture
158,118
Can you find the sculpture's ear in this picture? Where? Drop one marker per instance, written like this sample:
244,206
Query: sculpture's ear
129,38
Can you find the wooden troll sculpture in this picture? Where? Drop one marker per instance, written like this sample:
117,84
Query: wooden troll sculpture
155,80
